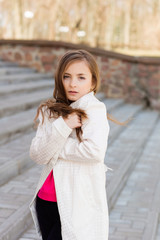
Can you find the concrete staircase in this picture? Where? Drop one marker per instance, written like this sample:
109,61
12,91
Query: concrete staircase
133,188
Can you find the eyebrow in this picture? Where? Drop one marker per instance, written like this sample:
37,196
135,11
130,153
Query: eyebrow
77,74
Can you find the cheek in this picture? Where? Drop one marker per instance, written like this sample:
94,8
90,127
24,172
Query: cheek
87,84
64,83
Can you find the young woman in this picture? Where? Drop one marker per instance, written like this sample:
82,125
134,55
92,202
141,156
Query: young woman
70,201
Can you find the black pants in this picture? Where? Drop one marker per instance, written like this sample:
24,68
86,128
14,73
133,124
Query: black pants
49,219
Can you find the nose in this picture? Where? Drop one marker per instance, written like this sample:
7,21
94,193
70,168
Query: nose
73,82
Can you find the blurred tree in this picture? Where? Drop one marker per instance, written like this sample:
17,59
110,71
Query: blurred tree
110,24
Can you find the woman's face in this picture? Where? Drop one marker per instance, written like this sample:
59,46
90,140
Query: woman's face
77,78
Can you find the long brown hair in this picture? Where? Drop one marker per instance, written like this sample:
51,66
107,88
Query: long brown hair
59,105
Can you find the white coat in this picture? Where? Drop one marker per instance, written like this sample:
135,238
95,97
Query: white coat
78,169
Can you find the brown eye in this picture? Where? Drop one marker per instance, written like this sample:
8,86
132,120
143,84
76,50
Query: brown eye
65,76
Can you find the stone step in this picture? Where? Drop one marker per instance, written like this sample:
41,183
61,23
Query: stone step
13,104
26,87
18,147
7,64
13,126
24,77
14,203
113,103
15,130
126,150
122,113
16,125
19,229
7,70
117,154
135,214
100,95
14,157
30,234
157,234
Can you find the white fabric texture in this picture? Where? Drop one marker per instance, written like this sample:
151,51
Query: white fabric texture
78,169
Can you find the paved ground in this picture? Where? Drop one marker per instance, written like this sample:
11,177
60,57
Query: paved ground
130,216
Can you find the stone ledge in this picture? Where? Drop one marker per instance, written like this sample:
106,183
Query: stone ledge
68,45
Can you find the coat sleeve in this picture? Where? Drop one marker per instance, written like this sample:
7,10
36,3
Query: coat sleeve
49,139
95,138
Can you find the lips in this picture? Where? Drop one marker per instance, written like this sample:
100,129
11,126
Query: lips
72,92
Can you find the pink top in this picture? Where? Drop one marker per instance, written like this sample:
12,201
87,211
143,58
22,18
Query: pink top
48,191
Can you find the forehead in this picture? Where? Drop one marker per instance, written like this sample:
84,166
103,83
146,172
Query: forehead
78,65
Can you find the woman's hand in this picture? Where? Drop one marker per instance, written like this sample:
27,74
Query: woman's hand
73,120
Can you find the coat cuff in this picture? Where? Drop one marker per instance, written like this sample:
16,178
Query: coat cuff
62,127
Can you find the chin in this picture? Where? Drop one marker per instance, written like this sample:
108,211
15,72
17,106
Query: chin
72,99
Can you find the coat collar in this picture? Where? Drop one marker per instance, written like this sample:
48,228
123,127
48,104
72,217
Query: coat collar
82,99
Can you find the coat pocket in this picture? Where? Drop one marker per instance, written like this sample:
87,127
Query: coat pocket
93,184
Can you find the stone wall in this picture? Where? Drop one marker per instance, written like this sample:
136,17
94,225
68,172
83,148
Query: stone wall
136,79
